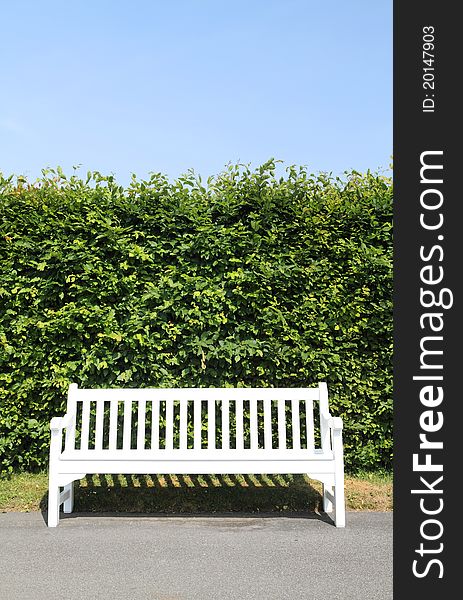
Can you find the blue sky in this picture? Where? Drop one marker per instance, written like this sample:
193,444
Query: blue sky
165,85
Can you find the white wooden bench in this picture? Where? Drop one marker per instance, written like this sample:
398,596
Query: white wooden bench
195,431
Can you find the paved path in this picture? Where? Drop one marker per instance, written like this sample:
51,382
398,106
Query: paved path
197,558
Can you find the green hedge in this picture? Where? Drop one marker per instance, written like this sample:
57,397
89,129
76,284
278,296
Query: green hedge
246,280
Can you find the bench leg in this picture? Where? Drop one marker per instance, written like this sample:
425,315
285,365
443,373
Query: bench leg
327,495
53,505
339,503
339,500
68,505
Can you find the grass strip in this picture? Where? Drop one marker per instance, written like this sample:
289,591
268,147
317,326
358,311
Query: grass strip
183,494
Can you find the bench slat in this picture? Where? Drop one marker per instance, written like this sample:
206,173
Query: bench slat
239,424
253,424
307,464
155,424
136,394
183,424
282,424
99,424
324,429
141,424
211,424
296,424
309,424
70,440
267,424
169,424
225,424
197,425
203,454
85,425
127,431
113,410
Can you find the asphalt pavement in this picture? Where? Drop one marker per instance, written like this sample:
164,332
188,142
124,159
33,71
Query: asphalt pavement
241,557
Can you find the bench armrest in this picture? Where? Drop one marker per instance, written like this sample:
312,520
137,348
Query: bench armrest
60,423
330,428
334,423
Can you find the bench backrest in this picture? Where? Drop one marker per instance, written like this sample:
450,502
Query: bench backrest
197,418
